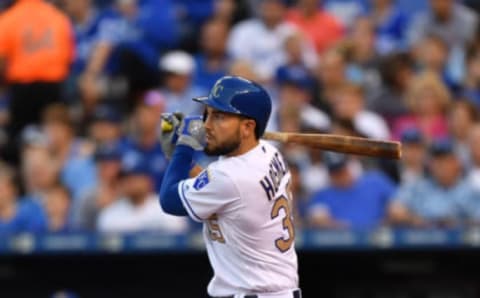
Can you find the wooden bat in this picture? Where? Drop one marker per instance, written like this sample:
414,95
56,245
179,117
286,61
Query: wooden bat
340,143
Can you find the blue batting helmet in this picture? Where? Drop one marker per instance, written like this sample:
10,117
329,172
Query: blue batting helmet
240,96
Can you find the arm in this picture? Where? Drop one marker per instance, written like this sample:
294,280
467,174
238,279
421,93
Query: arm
179,169
399,214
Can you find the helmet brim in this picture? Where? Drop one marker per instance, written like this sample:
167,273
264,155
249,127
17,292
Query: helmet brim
216,105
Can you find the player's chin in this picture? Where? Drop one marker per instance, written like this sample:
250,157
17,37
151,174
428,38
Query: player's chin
210,151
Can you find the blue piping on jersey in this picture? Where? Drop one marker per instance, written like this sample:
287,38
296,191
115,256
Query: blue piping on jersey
177,170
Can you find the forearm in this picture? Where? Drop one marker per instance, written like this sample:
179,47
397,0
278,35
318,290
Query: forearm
98,59
177,170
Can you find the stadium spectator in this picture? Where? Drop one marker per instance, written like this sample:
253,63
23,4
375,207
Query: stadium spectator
96,33
431,54
142,145
244,69
74,154
298,193
36,50
428,99
15,216
471,84
298,53
414,155
230,11
57,209
265,51
435,201
141,42
391,24
363,58
453,22
108,158
309,17
473,174
178,68
396,71
462,116
448,19
350,202
349,104
212,62
295,85
119,45
40,171
106,126
330,75
138,210
314,174
345,11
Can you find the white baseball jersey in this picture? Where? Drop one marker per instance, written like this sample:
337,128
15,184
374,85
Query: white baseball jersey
245,205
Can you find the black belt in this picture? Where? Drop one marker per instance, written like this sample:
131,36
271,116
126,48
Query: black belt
295,294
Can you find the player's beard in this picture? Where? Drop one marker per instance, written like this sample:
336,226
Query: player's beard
225,148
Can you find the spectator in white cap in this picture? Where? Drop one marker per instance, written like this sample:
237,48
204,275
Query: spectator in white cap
177,68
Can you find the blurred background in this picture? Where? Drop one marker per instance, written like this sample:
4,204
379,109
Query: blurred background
82,86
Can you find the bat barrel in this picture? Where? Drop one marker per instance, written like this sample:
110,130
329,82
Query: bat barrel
340,143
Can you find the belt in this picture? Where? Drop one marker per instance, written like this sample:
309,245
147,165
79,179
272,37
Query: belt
295,294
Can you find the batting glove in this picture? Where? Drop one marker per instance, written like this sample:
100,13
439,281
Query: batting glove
192,132
170,124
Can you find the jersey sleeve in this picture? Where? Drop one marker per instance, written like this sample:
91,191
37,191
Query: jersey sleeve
211,192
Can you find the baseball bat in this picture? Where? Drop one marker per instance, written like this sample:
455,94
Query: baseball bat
340,143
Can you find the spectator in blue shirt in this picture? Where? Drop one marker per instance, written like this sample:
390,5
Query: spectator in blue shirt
143,145
39,171
96,33
108,159
471,85
16,216
350,202
212,62
73,154
414,153
178,68
391,24
57,209
106,126
437,200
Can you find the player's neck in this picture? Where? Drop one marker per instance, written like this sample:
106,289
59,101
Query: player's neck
245,146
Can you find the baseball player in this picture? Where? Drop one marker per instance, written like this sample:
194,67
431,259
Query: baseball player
243,199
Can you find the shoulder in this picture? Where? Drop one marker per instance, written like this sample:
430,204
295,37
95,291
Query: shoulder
118,208
247,26
466,14
377,178
220,179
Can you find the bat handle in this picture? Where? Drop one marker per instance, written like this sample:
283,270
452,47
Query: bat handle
280,137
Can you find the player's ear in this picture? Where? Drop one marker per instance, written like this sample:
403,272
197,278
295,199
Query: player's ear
248,127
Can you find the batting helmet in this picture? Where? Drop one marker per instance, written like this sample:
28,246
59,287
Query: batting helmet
240,96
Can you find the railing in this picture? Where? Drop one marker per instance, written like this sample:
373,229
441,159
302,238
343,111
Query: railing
377,239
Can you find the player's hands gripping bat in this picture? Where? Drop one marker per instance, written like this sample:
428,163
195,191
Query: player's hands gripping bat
170,124
192,132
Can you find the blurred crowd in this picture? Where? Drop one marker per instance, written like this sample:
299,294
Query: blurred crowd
84,82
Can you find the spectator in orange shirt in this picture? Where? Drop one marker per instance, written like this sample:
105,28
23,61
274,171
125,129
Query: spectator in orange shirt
320,26
36,49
